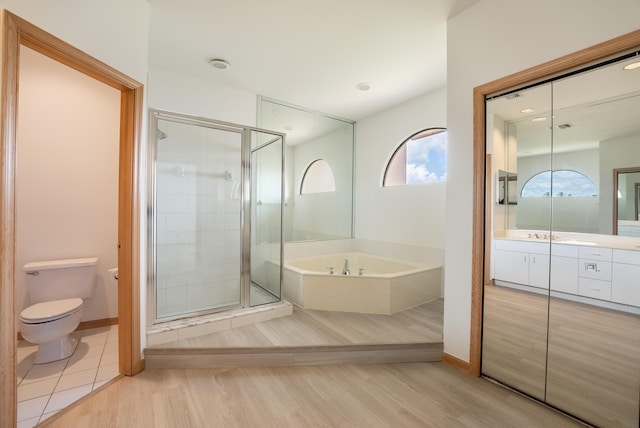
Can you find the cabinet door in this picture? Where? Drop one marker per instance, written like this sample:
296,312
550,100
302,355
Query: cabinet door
564,274
539,270
625,284
512,266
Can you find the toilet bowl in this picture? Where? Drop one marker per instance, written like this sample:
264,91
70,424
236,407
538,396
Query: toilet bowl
49,324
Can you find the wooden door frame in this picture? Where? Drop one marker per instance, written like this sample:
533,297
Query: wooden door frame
17,32
549,69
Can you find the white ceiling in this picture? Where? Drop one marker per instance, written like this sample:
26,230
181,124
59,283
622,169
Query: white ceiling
309,53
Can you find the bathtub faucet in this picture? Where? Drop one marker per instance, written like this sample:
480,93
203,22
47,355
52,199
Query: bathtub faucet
345,269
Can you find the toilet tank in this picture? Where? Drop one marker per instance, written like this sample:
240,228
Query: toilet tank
60,279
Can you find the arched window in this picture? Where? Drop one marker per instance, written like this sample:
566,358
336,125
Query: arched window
421,158
565,183
317,178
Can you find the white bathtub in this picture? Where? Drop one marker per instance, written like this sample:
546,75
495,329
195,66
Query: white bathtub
385,286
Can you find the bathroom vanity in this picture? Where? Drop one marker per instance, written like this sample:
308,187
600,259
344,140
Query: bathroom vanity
571,265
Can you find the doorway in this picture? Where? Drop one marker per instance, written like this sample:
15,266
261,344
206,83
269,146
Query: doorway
16,34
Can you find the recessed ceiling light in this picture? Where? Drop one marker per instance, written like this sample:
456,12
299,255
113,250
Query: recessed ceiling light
632,66
538,119
527,110
218,63
363,86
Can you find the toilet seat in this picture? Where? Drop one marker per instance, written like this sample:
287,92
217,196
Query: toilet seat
50,311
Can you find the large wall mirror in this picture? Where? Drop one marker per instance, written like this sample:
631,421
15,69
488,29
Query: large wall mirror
326,212
561,300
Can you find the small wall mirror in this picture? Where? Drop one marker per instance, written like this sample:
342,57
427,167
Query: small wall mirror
507,188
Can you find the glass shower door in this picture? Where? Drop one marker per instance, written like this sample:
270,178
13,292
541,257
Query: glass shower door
198,189
266,217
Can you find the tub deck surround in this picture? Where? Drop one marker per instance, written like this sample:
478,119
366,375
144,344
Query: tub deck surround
375,285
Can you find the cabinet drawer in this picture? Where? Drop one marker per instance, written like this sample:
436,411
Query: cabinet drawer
594,288
596,253
594,269
626,256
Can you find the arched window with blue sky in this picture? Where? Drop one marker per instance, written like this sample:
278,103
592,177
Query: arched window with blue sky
421,158
560,183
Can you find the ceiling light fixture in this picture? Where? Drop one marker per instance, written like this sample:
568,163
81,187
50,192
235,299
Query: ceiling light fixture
538,119
363,86
632,66
527,110
218,63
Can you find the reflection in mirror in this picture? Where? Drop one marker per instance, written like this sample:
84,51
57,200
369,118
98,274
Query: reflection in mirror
312,136
561,318
626,185
515,305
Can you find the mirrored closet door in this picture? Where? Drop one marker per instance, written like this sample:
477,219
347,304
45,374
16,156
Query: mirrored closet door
561,319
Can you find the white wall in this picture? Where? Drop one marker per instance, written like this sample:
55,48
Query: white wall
488,41
187,95
67,175
402,214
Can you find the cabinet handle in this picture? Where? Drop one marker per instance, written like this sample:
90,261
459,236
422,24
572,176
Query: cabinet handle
594,289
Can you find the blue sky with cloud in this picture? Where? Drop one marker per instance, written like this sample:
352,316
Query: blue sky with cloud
427,159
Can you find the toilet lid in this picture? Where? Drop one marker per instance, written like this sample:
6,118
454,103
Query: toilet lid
50,311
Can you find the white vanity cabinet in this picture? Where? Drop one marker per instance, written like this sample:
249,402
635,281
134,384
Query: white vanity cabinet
522,262
625,278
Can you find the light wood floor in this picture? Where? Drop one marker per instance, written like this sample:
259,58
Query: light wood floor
422,324
578,357
391,395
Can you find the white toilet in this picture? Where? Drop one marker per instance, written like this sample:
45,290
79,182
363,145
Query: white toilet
56,289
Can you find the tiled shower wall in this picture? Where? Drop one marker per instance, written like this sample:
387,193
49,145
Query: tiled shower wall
198,218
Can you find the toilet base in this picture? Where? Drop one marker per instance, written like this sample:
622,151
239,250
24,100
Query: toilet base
57,350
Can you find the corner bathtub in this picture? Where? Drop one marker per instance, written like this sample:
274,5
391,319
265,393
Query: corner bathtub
385,286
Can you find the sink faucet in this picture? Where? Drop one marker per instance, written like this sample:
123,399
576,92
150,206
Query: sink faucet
345,269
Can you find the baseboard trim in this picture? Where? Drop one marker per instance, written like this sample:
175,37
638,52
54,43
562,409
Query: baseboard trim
85,325
456,363
104,322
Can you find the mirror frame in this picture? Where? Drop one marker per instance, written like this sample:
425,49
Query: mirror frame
616,173
479,258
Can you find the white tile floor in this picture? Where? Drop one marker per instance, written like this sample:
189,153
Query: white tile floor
43,389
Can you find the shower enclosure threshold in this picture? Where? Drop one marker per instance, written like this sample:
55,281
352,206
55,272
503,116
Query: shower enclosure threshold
198,326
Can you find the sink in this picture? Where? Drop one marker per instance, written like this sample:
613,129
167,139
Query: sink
575,242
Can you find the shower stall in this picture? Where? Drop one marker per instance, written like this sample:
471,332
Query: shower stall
214,215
